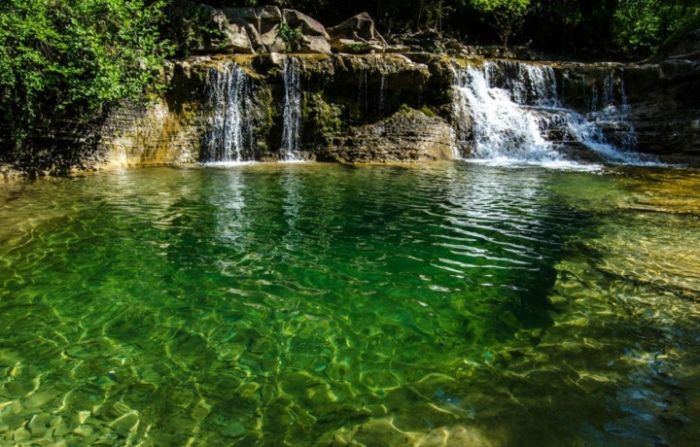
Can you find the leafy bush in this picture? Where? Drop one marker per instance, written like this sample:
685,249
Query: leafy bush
289,35
357,48
643,25
72,58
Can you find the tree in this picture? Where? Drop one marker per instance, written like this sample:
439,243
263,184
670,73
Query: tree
507,15
71,58
643,25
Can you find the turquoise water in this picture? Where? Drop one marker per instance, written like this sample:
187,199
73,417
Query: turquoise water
303,304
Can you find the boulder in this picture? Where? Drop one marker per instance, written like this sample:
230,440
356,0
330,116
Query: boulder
354,46
313,44
359,27
273,42
236,40
255,22
356,35
255,39
263,19
308,26
256,30
269,17
241,15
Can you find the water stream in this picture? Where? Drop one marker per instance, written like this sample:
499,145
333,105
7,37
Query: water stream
230,137
291,118
516,116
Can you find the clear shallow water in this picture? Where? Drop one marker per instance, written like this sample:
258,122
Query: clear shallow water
302,304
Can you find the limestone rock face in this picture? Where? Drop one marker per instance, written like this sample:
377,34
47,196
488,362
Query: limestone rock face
148,136
409,135
374,108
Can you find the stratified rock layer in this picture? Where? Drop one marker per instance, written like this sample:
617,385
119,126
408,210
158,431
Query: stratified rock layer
409,135
349,108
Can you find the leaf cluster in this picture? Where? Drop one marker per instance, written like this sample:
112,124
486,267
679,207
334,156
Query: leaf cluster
289,35
72,58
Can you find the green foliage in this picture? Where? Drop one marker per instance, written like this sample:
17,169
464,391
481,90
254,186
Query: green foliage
325,119
356,48
190,26
425,110
643,25
507,15
289,35
72,58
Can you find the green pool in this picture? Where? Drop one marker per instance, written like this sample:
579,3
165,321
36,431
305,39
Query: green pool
321,305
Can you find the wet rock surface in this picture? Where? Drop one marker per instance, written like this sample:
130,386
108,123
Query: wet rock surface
663,102
409,135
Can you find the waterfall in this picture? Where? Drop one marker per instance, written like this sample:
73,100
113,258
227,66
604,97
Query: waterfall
515,114
501,128
230,136
382,95
610,108
291,131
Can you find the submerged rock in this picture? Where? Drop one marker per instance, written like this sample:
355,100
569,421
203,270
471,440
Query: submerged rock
384,432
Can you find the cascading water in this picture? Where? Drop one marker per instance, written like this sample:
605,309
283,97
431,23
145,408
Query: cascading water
291,131
609,109
382,95
230,136
501,128
515,112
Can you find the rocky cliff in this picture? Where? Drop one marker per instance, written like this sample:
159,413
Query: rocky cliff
278,85
349,108
382,107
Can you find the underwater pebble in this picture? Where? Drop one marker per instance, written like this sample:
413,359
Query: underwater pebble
201,411
557,300
39,399
83,430
61,430
11,407
14,421
55,421
234,430
125,423
22,435
83,416
38,425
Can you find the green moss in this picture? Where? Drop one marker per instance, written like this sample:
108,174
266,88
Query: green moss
325,119
426,111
